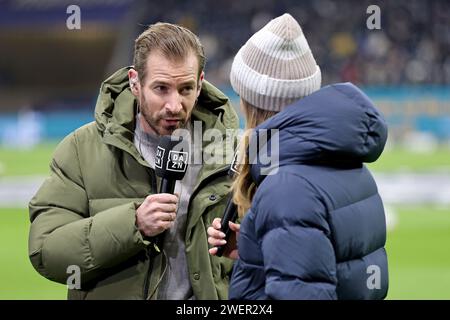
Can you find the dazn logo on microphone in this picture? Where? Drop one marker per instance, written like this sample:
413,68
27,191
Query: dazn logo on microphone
177,161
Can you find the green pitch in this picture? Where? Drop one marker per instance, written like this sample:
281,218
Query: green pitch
18,279
26,162
417,249
419,263
401,160
36,161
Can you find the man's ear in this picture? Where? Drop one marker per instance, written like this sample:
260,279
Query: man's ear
200,82
134,82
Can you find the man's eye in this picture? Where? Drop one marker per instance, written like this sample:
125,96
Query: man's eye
187,90
161,88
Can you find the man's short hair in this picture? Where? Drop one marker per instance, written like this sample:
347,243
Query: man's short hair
173,41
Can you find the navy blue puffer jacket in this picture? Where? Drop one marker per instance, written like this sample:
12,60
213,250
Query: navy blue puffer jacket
316,228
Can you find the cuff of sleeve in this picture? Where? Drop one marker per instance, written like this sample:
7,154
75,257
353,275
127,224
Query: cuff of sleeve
139,237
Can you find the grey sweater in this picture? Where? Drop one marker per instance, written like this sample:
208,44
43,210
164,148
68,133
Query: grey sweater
175,284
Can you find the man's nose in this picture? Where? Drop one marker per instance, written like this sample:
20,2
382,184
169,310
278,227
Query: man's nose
173,104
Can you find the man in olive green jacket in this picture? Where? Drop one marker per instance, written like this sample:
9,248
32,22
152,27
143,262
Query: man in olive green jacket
91,218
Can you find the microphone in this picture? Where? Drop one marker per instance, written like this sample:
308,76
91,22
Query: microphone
171,161
231,212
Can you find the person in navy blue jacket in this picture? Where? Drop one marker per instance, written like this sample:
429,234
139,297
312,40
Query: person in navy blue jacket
313,223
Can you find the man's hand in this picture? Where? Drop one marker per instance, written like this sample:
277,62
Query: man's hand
216,238
156,214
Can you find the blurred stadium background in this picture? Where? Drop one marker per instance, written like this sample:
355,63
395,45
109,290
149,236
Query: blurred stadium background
50,75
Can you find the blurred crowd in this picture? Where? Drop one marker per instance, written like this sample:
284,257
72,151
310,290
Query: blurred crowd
412,46
46,66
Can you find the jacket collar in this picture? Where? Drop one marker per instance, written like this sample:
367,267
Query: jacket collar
116,108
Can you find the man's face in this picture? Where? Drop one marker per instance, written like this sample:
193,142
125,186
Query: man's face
169,92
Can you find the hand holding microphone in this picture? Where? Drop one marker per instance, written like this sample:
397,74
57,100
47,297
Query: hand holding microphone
158,211
156,214
217,238
219,234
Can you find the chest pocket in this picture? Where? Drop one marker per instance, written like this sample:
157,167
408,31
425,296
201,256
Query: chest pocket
98,205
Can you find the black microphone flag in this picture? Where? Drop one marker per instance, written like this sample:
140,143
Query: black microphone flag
171,162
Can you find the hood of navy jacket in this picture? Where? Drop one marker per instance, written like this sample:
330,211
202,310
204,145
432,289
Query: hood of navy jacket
336,125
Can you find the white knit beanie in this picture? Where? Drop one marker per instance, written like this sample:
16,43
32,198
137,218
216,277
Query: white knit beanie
275,67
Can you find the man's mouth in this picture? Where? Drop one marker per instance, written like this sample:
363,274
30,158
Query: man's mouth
172,121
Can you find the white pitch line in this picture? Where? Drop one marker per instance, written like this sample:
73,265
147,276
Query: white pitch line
414,188
394,188
16,192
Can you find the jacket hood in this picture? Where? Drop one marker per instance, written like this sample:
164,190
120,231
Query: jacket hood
337,125
114,92
116,104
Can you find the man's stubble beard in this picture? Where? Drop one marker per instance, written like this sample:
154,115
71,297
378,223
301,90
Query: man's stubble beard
152,120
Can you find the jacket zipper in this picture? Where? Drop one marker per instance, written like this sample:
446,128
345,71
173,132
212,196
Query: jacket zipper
150,254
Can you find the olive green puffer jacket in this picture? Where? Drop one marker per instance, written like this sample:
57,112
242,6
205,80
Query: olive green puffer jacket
84,213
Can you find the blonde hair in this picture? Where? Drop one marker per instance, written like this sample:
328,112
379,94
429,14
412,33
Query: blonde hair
244,187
